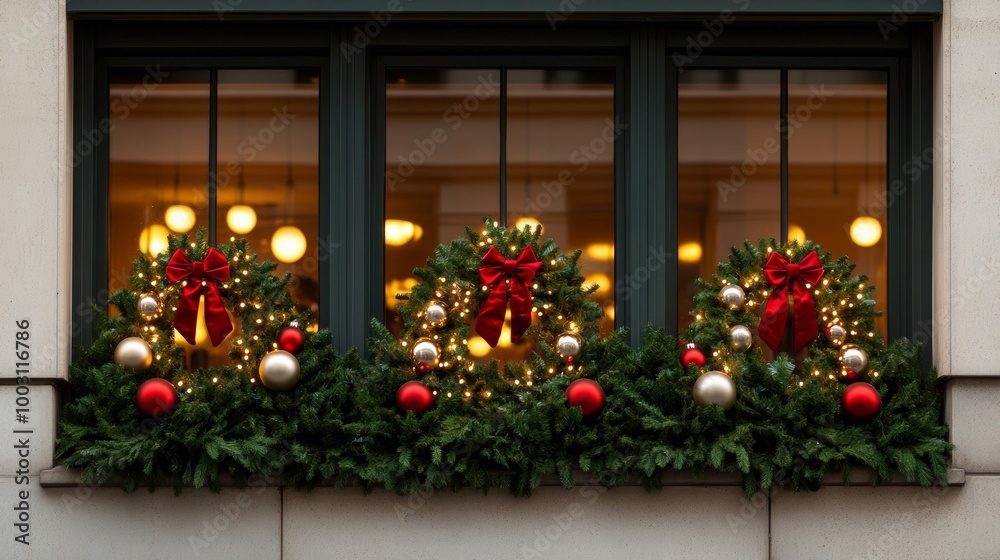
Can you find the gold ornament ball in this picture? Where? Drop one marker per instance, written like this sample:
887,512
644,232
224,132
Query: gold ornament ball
837,334
148,307
425,354
569,345
740,337
854,358
436,314
134,354
714,387
279,371
732,296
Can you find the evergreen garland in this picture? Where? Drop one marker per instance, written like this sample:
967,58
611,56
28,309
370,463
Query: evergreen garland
341,423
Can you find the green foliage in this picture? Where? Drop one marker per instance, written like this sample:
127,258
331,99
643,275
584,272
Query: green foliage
341,423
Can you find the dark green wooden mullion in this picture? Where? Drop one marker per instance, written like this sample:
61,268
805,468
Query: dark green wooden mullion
503,146
88,243
328,157
784,155
213,152
642,293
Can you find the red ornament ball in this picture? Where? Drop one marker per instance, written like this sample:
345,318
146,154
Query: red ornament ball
693,356
291,340
861,401
156,397
850,375
414,396
586,394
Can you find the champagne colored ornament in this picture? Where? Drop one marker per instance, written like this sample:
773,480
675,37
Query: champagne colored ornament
414,396
279,371
148,307
693,356
732,296
716,388
134,354
854,358
569,346
740,337
586,394
836,334
861,401
425,354
156,397
291,339
436,314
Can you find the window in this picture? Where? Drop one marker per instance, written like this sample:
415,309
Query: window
532,145
739,179
231,150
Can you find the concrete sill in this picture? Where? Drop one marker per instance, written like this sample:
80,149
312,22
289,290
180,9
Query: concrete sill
64,477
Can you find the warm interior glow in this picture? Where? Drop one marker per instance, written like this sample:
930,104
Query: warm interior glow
796,233
609,312
527,221
401,232
601,251
201,333
866,231
478,347
288,244
179,218
689,252
153,239
599,278
397,286
241,219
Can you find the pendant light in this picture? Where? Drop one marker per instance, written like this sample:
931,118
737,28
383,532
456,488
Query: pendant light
180,218
288,244
866,230
241,218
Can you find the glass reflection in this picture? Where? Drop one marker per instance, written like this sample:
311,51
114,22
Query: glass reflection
729,168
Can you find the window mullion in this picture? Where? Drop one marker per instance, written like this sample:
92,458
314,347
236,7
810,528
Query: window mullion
784,155
503,146
213,138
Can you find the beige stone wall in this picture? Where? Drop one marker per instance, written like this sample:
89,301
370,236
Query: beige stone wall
265,521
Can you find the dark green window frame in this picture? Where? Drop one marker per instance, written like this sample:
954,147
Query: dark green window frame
646,165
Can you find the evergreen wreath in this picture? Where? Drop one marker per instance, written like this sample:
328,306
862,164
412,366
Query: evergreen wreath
484,426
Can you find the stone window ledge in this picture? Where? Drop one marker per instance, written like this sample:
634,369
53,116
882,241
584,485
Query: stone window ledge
63,477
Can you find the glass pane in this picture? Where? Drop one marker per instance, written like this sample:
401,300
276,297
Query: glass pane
560,165
442,153
837,180
729,168
158,162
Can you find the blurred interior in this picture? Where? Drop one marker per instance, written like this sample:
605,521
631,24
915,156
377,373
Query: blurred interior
729,168
267,158
439,182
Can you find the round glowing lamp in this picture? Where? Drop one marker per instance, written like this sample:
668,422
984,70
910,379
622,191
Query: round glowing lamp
866,231
180,218
241,219
153,239
689,252
288,244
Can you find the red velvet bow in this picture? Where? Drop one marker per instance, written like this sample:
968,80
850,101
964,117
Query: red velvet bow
780,274
201,279
508,279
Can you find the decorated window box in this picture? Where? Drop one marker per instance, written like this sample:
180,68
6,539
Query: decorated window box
739,398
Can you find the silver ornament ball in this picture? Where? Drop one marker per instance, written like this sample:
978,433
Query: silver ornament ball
569,345
740,337
854,358
732,296
134,354
425,353
716,388
837,334
279,371
148,307
436,314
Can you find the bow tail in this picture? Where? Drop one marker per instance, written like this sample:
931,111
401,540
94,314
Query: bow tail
806,322
772,324
216,318
520,309
489,323
186,316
